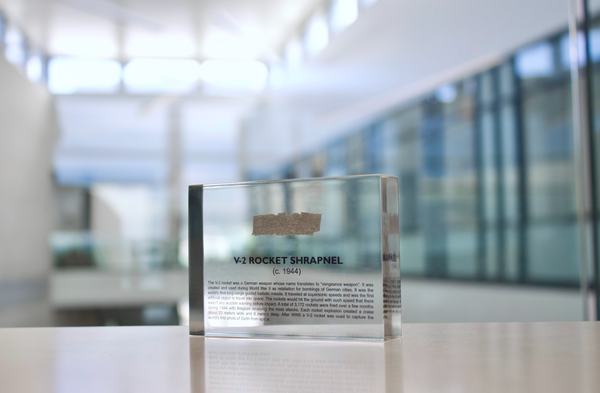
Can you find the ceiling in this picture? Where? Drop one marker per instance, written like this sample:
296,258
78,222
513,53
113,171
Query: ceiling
395,51
124,29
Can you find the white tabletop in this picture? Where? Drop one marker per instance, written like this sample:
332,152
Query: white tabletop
496,357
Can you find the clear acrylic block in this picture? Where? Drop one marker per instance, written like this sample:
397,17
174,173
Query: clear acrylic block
306,258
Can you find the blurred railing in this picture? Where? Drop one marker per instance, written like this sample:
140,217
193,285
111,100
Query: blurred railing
85,250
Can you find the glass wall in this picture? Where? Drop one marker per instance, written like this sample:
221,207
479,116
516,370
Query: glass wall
486,170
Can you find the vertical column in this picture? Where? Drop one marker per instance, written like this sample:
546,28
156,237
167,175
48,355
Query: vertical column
120,35
174,182
86,214
480,206
434,208
499,168
592,163
583,126
521,149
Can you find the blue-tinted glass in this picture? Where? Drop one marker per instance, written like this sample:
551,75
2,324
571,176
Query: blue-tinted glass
485,167
565,50
535,61
554,252
355,154
390,149
594,35
335,164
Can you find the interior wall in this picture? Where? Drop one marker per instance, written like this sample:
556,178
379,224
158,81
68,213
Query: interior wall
28,132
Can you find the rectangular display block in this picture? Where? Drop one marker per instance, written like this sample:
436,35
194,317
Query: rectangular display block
306,258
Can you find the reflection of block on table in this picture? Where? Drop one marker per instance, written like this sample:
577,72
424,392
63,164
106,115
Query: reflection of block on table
317,366
312,258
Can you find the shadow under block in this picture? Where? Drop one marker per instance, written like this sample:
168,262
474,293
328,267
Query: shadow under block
306,258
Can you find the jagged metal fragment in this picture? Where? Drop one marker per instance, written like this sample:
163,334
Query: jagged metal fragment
284,225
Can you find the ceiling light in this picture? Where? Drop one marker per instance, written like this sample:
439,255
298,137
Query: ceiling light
159,75
67,75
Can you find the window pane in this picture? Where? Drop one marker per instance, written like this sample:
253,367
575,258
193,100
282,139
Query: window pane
222,76
535,61
293,53
316,36
15,47
342,14
35,68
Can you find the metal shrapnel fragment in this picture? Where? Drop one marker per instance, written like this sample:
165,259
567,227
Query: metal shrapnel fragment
284,225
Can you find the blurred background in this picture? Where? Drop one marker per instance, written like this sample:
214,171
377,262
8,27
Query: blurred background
485,110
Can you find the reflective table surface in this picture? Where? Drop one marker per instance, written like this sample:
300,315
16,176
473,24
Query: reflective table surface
495,357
